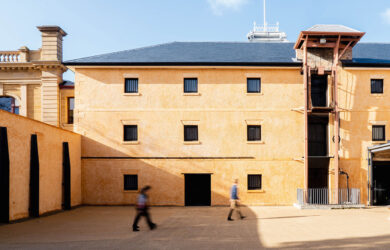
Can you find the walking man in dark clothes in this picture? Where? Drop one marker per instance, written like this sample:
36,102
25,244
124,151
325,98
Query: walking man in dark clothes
234,201
142,210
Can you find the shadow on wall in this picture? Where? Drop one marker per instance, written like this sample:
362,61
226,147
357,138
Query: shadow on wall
103,177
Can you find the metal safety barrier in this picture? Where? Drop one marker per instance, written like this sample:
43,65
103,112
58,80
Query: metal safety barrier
325,196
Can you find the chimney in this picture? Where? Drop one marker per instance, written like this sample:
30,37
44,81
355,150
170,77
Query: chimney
51,43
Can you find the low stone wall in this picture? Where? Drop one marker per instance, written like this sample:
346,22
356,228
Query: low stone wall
50,140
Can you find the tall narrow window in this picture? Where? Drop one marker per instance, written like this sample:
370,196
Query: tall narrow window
376,86
254,132
253,85
378,133
130,132
130,182
190,132
131,85
254,181
70,109
190,85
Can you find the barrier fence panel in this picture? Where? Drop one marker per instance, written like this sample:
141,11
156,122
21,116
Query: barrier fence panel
325,196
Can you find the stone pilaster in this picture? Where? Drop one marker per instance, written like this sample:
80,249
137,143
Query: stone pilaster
50,96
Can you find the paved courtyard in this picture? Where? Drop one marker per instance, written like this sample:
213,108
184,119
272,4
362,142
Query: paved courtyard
202,228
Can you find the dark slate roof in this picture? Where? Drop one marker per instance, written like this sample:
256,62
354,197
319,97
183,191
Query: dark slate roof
198,53
364,54
67,85
228,53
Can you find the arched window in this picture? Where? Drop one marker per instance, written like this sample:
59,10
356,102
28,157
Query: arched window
9,104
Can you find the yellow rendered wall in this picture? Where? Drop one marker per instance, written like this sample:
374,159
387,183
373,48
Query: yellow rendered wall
222,110
359,111
50,141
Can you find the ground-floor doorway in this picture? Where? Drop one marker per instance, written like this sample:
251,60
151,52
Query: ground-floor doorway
197,189
381,183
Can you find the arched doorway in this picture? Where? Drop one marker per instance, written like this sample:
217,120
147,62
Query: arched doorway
10,104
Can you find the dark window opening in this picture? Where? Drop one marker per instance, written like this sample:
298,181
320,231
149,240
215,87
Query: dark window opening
190,85
253,85
319,87
378,133
254,181
9,104
70,109
130,133
190,132
318,135
254,132
130,182
376,86
131,85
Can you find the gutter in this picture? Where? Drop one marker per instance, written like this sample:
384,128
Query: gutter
249,64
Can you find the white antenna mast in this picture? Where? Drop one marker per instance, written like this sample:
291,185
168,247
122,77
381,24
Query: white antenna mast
265,22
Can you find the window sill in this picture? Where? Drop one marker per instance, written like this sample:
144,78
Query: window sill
256,191
379,142
130,191
255,142
131,94
254,94
377,95
192,142
130,142
191,94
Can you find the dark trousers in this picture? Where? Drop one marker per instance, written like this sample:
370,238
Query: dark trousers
143,212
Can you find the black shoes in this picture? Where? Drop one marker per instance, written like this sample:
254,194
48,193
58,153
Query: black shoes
135,229
153,226
243,217
230,219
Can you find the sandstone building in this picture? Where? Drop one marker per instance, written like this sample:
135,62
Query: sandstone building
303,122
31,81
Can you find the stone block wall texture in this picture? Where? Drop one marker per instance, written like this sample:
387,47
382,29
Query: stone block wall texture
222,110
50,141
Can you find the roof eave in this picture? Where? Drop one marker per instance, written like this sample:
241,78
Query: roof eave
275,64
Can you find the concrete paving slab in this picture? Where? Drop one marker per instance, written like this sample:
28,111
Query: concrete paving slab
202,228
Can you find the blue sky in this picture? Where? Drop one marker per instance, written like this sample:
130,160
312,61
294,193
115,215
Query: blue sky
99,26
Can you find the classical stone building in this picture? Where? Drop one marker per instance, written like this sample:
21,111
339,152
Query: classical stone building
31,81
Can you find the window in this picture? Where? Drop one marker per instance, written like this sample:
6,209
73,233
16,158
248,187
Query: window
131,85
190,85
253,85
130,133
254,181
378,133
70,107
9,104
254,133
376,86
190,132
130,182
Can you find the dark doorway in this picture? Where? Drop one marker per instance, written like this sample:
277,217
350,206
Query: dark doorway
381,183
34,178
319,87
4,176
318,135
66,204
197,189
318,172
